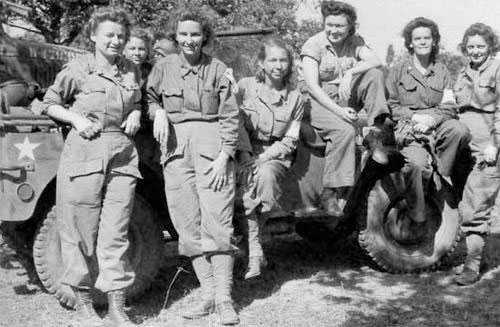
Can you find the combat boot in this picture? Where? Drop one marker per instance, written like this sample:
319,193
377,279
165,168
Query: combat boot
227,314
223,273
373,141
86,314
116,309
470,274
255,265
203,269
467,277
329,202
256,259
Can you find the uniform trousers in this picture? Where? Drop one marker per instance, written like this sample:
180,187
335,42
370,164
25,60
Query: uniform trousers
367,92
483,182
95,197
201,216
450,139
260,198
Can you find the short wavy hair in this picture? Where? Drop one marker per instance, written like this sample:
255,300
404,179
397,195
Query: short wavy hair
335,8
109,14
483,30
261,55
422,22
196,16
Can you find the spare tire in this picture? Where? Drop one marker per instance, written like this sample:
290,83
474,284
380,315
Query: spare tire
394,241
145,253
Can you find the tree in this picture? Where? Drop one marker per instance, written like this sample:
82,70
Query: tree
60,22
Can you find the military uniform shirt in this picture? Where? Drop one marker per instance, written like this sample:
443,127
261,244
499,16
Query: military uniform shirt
270,117
412,92
201,93
103,97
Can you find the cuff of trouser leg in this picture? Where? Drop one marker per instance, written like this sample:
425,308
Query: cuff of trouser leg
123,283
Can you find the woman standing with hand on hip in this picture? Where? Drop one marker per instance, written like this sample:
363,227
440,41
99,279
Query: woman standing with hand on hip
99,165
477,93
196,121
339,71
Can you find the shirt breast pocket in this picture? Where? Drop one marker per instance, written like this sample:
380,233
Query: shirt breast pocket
93,98
210,101
132,97
173,99
251,118
487,90
281,121
408,92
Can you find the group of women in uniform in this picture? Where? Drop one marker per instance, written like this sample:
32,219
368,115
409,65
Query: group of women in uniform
222,140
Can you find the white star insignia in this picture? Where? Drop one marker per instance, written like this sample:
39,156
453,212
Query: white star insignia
26,149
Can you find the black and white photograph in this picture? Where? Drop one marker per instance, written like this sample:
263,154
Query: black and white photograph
254,163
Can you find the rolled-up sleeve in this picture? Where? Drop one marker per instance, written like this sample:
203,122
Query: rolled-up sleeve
64,89
282,148
312,49
153,91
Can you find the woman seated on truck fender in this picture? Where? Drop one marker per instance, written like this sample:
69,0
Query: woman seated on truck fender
422,104
477,92
339,70
271,114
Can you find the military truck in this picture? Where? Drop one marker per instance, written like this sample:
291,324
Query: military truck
30,145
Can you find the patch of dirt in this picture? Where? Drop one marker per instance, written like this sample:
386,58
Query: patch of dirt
304,286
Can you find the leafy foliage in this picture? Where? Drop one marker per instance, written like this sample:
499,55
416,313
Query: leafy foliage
61,21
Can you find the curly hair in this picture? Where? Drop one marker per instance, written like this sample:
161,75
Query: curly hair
196,16
483,30
109,14
261,55
422,22
336,8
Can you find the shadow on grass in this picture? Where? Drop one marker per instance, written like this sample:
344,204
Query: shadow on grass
427,299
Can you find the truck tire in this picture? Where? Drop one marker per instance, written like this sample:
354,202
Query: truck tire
145,253
397,244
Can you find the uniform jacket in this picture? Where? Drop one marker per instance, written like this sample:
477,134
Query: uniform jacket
195,93
412,92
101,96
479,90
271,119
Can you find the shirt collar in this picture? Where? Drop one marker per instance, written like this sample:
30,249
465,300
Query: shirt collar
186,68
272,96
412,69
94,67
469,71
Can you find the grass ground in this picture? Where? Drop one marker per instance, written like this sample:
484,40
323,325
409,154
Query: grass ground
304,286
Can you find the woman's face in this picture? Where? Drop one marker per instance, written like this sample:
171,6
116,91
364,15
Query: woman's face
109,39
136,50
421,41
336,28
190,37
477,50
276,64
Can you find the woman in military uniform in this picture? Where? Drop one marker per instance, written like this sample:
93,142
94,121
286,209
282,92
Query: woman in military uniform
477,93
422,104
339,71
99,164
271,112
196,121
